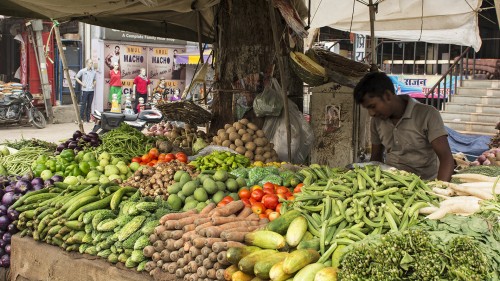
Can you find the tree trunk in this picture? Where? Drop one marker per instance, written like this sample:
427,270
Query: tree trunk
245,51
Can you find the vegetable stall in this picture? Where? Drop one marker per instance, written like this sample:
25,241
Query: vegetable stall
226,209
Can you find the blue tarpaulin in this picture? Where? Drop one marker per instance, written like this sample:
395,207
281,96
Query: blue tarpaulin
470,145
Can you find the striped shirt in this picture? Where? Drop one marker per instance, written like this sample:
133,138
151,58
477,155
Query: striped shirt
88,78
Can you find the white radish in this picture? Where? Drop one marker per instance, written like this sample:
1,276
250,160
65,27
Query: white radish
463,205
443,191
473,178
428,210
471,191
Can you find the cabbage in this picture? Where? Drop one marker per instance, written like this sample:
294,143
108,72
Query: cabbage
198,145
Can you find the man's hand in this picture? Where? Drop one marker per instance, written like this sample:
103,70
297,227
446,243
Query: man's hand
446,163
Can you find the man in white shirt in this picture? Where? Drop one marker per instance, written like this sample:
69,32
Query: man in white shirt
86,78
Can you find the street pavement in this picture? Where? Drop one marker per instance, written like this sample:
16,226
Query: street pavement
53,132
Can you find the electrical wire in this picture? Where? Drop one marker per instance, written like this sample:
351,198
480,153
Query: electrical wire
317,8
421,22
352,15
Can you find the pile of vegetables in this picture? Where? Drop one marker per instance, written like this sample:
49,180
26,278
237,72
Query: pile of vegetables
489,157
23,143
220,160
492,171
495,141
264,200
106,220
154,156
154,181
187,138
125,142
79,142
415,255
247,139
195,245
188,192
11,189
261,175
20,162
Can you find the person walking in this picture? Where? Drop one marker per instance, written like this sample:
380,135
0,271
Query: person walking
86,78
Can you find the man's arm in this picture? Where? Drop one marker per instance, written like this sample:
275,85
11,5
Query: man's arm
446,162
77,78
377,153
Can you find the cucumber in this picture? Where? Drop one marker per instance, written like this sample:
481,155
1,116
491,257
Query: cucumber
298,259
296,231
326,274
312,244
277,274
308,272
117,196
70,212
281,224
247,263
263,267
265,239
235,254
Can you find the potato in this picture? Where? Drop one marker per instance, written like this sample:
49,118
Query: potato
241,150
267,148
244,121
226,143
238,126
260,142
224,136
231,130
268,160
252,126
238,142
232,146
259,158
267,155
216,140
250,146
233,136
259,151
246,138
250,131
227,126
241,132
220,131
260,133
249,154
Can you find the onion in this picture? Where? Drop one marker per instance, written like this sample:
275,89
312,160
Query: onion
481,158
57,178
487,162
4,224
3,210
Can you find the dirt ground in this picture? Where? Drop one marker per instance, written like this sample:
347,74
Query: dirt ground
52,133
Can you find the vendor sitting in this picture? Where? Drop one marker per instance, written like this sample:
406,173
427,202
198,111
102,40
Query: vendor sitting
411,134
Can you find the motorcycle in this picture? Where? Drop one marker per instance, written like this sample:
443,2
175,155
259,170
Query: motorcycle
107,121
15,107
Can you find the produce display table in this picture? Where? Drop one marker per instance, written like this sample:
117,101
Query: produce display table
33,261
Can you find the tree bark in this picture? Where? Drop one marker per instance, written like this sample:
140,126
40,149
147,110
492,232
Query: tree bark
244,45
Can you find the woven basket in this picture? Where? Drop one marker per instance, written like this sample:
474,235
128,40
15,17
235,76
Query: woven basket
184,111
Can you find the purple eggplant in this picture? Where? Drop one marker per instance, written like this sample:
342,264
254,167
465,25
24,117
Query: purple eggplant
57,178
77,134
12,214
28,176
4,223
37,181
86,138
5,260
46,183
9,188
60,147
3,210
22,186
2,251
12,229
7,249
72,145
8,199
7,237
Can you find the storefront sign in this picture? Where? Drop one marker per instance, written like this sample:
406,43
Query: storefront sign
360,47
417,86
115,34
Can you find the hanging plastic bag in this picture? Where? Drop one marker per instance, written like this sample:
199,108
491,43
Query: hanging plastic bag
301,133
269,102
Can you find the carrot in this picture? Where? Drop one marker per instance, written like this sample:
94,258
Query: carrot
222,246
176,216
212,256
224,220
245,213
194,251
159,229
235,224
176,234
201,272
159,263
159,245
178,244
213,231
211,273
150,265
210,241
169,245
253,216
185,221
240,229
179,273
199,260
202,226
208,208
219,274
192,266
187,235
172,267
188,257
187,246
222,258
231,208
217,266
207,263
189,227
181,262
148,251
193,277
199,242
156,257
181,252
163,236
153,237
174,256
238,236
199,221
205,251
263,221
165,255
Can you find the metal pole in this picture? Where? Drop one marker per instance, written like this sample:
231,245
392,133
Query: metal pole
474,65
372,35
403,65
437,58
392,57
68,77
425,59
284,82
202,59
414,57
444,94
461,67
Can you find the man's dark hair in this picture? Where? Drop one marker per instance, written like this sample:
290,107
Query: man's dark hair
374,83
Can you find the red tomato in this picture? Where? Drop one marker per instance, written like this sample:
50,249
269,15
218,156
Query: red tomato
298,188
269,191
281,196
222,203
255,187
252,201
169,157
278,208
246,202
181,157
258,208
225,201
268,185
244,193
180,154
268,211
257,194
262,216
150,164
291,198
161,157
154,153
282,189
270,201
137,159
146,158
273,215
